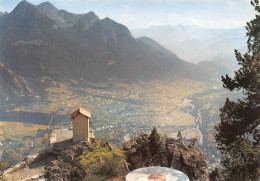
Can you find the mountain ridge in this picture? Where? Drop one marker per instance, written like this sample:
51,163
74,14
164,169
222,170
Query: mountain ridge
36,44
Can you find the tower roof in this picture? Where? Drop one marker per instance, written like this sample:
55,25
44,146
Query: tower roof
80,111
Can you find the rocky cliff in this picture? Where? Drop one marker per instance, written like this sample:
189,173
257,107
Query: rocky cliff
167,152
99,161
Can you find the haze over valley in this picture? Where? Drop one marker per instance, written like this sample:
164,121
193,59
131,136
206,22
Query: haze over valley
53,62
209,48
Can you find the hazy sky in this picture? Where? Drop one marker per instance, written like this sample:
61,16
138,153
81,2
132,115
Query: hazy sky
145,13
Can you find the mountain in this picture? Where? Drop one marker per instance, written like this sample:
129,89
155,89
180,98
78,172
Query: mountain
44,44
12,85
3,13
217,68
150,42
196,44
66,19
48,9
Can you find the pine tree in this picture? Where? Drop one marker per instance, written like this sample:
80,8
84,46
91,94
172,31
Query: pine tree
238,135
179,136
155,139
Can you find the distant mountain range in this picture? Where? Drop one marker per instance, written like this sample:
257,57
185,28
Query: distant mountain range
41,44
200,45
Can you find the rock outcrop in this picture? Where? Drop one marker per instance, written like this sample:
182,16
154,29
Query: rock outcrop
62,162
167,153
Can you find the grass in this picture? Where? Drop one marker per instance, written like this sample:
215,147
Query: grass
16,131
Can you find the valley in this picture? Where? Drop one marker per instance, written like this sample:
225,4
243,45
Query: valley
121,111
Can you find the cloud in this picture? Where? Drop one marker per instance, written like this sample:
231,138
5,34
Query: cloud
126,7
128,17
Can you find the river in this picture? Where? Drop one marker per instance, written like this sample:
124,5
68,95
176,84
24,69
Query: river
188,102
198,128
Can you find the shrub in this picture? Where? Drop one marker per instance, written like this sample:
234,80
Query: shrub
103,163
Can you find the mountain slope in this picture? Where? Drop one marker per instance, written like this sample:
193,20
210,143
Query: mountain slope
154,44
3,13
12,85
42,42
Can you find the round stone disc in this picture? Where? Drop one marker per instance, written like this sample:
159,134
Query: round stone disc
156,174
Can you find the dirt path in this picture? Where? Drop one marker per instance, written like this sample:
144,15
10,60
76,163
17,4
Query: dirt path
35,171
27,172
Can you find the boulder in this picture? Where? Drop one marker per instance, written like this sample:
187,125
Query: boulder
170,153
